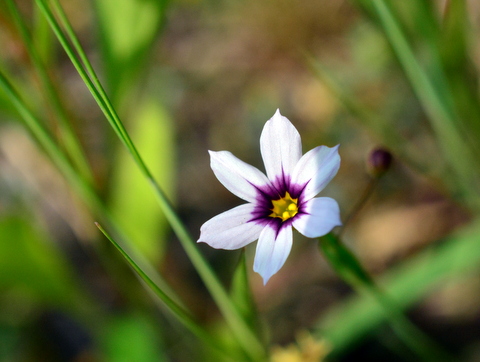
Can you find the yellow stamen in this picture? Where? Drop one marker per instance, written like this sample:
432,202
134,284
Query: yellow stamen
285,207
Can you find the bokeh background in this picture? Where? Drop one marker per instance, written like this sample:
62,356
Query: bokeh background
190,76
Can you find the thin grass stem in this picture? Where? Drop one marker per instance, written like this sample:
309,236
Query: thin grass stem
182,315
67,134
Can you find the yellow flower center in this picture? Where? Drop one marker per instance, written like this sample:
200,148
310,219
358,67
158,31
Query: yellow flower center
284,208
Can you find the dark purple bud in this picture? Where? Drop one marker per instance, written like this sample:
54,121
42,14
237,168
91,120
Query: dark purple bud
379,161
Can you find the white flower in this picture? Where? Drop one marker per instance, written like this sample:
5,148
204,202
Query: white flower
276,202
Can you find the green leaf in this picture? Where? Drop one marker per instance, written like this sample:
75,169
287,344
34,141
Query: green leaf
344,262
131,198
350,269
241,293
411,281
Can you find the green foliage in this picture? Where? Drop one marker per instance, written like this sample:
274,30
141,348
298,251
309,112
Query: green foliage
241,294
30,263
451,261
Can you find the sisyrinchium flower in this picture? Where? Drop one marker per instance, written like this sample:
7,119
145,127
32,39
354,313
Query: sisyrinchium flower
282,199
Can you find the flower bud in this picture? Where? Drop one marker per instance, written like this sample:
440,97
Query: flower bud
379,161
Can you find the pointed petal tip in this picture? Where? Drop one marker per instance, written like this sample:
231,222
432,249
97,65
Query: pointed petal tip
280,146
272,251
212,154
334,148
265,277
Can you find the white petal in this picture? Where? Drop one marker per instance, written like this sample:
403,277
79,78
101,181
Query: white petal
280,145
322,214
238,177
317,167
272,251
231,229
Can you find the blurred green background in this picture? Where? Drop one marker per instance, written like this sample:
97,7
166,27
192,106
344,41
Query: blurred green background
190,76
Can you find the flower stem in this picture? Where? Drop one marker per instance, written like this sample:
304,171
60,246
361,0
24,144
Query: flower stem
360,203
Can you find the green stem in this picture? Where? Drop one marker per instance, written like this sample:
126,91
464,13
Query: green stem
360,204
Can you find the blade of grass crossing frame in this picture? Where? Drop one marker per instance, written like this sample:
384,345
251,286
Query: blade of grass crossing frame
165,294
182,315
77,63
70,141
243,333
82,188
89,72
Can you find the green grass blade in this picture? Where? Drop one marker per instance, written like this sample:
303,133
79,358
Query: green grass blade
68,137
241,293
243,333
411,281
438,104
38,131
461,72
79,66
83,190
182,315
